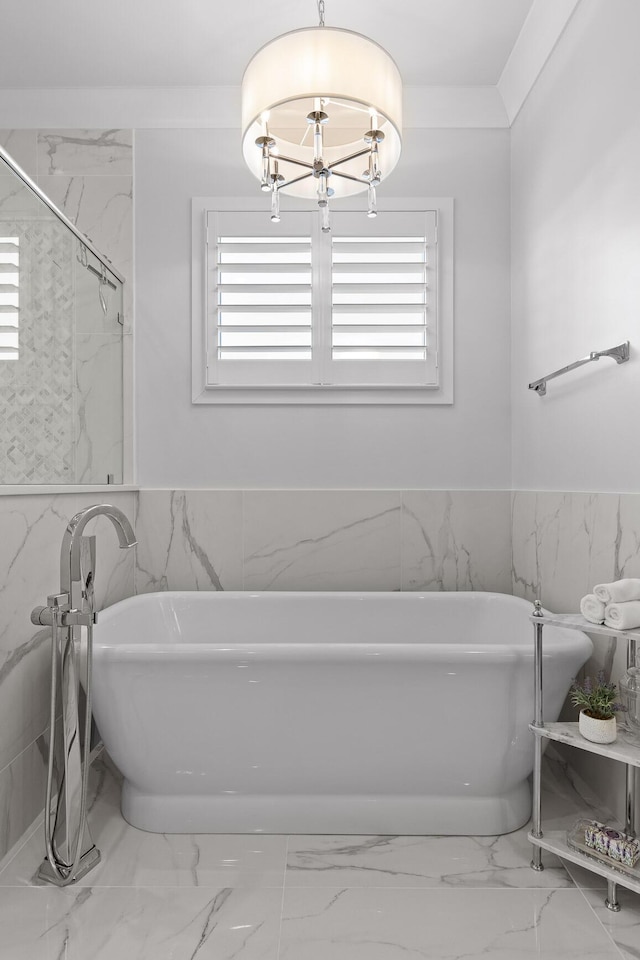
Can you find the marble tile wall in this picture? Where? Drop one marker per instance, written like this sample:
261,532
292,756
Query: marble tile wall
323,540
552,545
32,528
88,174
565,543
562,545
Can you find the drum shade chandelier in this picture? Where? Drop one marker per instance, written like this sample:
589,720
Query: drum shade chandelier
321,116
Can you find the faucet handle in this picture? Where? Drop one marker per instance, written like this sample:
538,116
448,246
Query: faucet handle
57,603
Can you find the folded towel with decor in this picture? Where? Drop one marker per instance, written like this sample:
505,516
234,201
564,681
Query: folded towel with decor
592,609
619,592
622,616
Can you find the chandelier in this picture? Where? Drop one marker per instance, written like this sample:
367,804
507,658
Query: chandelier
318,105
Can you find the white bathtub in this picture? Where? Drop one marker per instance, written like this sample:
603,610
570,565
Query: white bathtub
363,713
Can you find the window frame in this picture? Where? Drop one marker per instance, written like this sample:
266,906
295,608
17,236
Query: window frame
327,394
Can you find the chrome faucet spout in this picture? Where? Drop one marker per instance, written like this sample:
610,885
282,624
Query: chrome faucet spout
71,552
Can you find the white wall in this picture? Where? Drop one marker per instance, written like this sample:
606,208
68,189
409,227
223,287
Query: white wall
450,447
575,256
576,288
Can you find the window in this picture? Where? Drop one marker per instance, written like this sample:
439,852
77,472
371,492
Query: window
290,314
9,297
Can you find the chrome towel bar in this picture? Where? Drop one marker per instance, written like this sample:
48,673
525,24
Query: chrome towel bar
619,354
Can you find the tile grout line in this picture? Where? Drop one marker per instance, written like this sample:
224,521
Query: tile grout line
593,911
284,887
24,749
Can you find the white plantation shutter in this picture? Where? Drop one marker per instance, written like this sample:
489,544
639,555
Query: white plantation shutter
383,298
290,306
9,297
261,297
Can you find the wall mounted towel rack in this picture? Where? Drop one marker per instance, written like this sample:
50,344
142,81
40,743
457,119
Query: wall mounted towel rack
619,354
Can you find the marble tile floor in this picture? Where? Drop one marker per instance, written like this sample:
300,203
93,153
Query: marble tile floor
220,897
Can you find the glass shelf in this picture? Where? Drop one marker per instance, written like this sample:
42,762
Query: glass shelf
555,841
568,733
575,621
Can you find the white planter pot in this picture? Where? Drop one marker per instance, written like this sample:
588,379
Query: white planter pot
598,731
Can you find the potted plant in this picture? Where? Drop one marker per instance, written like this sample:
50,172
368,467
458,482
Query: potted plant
597,699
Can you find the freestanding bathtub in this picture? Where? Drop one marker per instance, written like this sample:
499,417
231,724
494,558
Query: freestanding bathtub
365,713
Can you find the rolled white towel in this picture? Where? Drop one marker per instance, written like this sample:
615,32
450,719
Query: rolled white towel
619,592
622,616
592,609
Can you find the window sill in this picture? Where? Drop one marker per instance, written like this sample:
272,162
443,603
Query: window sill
326,395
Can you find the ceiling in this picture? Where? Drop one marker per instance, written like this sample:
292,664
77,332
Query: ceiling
180,43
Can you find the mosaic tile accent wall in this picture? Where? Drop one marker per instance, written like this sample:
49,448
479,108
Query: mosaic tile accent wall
36,390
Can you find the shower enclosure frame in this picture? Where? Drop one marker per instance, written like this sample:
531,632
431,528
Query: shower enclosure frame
26,179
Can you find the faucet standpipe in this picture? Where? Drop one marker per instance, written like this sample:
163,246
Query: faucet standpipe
70,851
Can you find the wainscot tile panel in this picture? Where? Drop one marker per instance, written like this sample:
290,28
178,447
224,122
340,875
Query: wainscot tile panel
563,544
458,540
88,152
32,528
22,787
189,540
21,145
322,540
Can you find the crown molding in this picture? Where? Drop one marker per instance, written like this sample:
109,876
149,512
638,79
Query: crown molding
540,33
202,107
219,107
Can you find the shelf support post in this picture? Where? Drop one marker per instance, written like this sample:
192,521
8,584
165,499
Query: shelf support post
630,778
536,862
611,903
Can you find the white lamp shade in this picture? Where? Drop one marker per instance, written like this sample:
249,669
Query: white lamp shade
360,88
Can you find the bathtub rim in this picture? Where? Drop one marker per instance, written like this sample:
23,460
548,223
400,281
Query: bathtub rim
113,649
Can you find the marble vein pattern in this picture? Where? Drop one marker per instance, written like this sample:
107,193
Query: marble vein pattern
135,858
22,785
454,862
98,408
387,924
623,927
102,208
30,566
85,152
322,540
181,897
32,528
565,543
189,540
148,923
456,540
21,145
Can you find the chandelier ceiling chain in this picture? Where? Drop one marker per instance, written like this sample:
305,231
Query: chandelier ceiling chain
320,81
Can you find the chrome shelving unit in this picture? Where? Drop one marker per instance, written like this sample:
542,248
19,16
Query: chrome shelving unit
556,840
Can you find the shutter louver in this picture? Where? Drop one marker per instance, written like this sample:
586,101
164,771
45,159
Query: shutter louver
9,297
